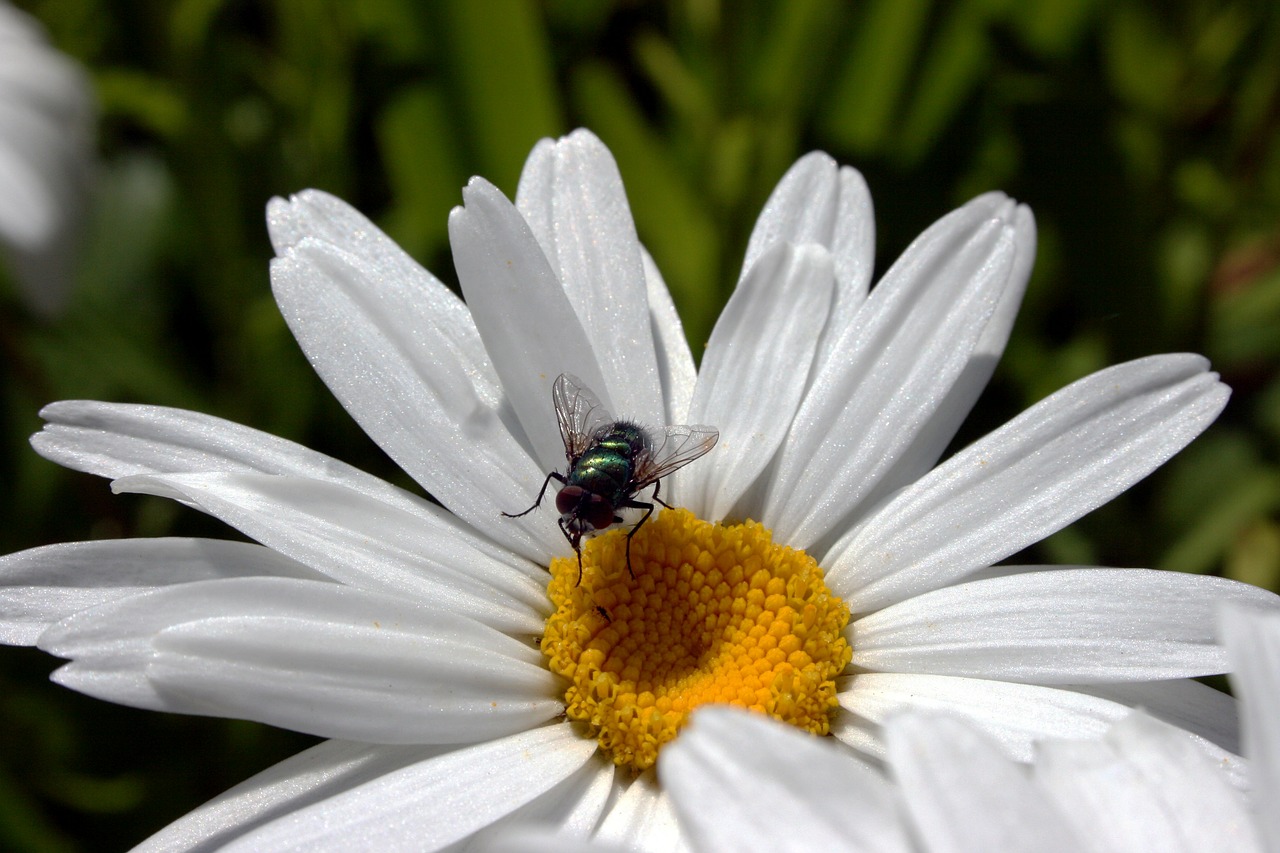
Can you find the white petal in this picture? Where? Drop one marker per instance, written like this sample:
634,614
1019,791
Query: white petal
571,809
313,657
756,368
1145,786
1064,456
295,783
399,368
434,803
966,795
366,543
741,781
537,839
1184,703
643,820
896,362
118,439
580,216
527,323
1016,715
1253,639
41,586
675,361
1058,627
816,202
928,445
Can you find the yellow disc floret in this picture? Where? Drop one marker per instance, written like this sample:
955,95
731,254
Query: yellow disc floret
715,613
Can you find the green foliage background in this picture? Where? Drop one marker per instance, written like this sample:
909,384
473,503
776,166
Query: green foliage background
1143,134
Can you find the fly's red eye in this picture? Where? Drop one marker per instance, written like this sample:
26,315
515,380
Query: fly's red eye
598,512
568,498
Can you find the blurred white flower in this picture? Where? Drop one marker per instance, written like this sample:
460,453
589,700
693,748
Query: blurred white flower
46,160
430,642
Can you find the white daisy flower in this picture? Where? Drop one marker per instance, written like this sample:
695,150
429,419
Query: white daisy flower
462,685
46,159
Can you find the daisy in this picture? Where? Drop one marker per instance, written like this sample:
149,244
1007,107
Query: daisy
818,568
46,159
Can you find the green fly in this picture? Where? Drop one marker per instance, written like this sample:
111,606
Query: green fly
609,463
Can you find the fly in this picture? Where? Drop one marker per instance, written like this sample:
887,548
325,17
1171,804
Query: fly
609,463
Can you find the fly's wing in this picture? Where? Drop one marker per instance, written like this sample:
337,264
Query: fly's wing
579,413
675,448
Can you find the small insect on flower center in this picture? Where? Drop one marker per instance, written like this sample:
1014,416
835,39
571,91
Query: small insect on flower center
715,614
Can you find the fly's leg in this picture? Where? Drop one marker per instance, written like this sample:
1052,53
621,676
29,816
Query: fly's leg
552,476
630,504
633,504
574,539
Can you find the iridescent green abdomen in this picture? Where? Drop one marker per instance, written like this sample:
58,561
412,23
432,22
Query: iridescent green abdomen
607,466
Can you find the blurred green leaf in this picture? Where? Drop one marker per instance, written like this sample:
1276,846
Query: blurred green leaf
950,70
424,168
1254,556
870,87
1208,538
153,103
1243,324
1145,64
1052,28
798,39
502,68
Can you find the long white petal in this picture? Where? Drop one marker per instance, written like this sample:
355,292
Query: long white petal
366,543
572,197
966,795
1064,456
755,370
909,342
1253,639
818,202
313,657
571,809
528,325
397,368
41,586
642,820
740,781
307,778
929,444
531,838
1184,703
434,803
1016,715
675,360
119,439
1057,627
1145,786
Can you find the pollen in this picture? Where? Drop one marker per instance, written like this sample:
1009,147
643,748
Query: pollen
716,613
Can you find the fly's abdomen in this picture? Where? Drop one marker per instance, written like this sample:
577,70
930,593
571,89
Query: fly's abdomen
608,465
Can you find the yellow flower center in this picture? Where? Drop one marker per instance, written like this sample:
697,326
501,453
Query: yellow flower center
715,613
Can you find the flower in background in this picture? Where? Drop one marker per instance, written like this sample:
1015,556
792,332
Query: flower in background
47,119
429,641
